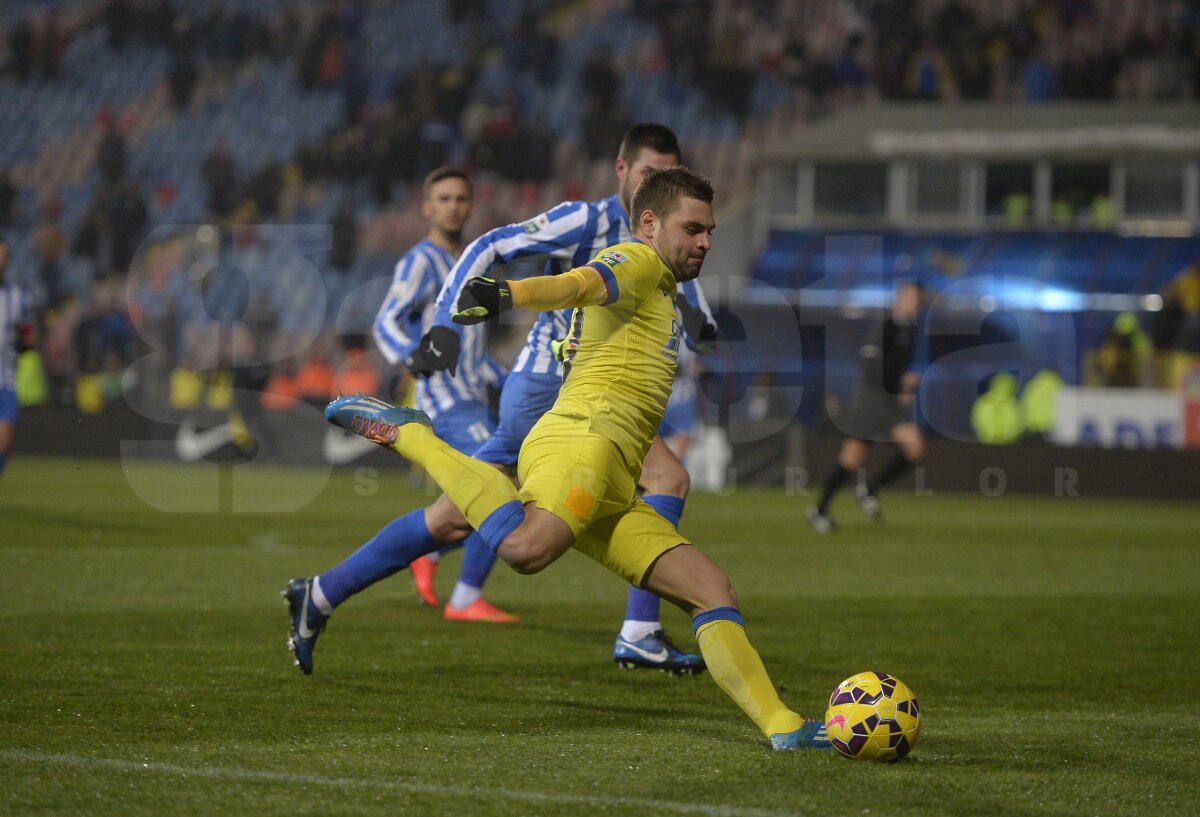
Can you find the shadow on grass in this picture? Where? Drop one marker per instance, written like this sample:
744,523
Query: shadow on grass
57,520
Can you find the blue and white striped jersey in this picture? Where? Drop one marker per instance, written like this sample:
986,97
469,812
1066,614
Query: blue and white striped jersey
571,233
14,311
407,313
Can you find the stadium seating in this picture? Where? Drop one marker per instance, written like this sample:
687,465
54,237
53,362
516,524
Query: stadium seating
260,111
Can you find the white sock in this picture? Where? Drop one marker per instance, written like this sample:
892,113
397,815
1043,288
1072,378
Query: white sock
637,630
318,598
433,556
464,595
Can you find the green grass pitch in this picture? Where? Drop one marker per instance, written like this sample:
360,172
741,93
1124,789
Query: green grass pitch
1052,643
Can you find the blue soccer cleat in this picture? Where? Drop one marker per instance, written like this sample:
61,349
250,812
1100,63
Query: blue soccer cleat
372,418
306,620
809,736
656,651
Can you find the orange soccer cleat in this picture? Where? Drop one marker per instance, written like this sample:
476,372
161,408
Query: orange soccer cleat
479,610
423,570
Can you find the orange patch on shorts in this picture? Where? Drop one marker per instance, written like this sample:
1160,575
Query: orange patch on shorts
579,502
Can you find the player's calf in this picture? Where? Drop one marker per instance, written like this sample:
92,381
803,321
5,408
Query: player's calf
445,522
536,543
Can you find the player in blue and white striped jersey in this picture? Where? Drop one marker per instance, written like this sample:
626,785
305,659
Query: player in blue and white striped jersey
571,234
456,399
459,392
16,335
460,412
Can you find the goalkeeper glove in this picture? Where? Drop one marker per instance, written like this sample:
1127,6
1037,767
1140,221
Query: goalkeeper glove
482,299
701,330
437,351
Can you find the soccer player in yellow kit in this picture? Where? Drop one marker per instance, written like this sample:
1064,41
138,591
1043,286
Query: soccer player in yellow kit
580,464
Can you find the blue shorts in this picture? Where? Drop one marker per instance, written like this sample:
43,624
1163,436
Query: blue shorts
466,426
8,406
680,418
525,398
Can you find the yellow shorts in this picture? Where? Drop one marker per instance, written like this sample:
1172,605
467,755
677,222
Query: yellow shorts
582,478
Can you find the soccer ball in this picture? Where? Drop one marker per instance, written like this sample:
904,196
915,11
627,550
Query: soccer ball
873,716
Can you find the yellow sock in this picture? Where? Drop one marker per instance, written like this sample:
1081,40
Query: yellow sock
738,670
476,488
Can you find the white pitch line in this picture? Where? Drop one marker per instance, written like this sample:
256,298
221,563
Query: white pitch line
250,775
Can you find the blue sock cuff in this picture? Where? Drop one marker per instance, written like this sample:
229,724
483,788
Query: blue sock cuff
718,614
501,522
338,584
668,507
392,549
642,605
477,562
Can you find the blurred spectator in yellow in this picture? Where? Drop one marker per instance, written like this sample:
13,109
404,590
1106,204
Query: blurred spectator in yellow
1184,293
1124,356
1103,212
996,416
1017,208
1039,402
1177,325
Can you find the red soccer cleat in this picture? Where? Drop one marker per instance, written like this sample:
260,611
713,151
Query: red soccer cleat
479,610
423,571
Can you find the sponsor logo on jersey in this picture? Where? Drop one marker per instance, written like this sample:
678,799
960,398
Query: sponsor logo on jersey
612,258
537,224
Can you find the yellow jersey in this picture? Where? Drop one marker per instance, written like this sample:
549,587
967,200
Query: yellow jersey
619,358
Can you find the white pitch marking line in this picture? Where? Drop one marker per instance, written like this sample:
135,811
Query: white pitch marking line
220,773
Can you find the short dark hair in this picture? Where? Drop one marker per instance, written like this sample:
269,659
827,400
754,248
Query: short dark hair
658,138
661,190
440,174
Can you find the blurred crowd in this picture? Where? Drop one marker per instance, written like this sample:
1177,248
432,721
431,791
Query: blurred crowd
481,108
1158,352
1034,50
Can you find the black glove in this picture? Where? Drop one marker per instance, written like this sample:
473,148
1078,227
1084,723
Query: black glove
701,331
481,299
437,351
